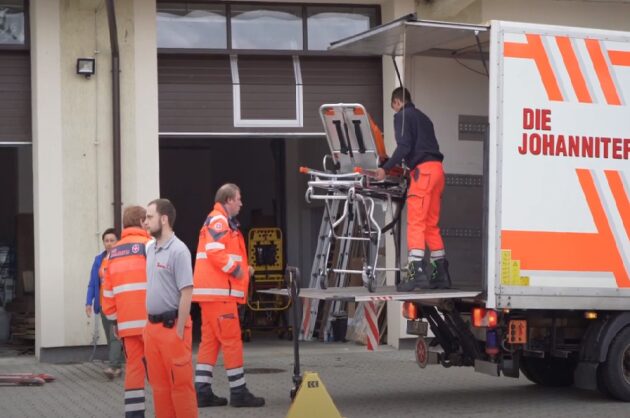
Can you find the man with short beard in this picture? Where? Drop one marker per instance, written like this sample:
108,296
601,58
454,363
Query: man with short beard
168,335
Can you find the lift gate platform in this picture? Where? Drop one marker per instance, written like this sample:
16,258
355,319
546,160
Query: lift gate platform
384,293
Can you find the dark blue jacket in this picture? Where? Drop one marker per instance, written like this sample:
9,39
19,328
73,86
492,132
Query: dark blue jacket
415,139
94,288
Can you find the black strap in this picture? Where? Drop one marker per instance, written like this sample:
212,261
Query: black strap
359,134
342,139
345,129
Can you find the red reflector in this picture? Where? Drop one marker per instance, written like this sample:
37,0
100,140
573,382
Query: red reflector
484,318
478,314
410,311
492,318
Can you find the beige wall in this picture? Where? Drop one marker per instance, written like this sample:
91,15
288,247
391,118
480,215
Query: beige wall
589,14
72,147
603,14
444,89
47,173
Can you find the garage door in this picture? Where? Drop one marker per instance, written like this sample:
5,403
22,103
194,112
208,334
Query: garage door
15,96
215,94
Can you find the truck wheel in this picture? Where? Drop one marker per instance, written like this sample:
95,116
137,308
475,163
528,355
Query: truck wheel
553,372
616,368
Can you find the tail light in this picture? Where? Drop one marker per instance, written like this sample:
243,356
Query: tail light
492,318
410,310
485,318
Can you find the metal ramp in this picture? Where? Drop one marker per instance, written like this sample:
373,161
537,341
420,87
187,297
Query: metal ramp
387,293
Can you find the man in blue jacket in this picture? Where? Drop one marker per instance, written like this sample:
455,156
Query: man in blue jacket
417,147
94,299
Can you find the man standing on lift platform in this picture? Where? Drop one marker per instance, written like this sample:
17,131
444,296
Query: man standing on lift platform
417,145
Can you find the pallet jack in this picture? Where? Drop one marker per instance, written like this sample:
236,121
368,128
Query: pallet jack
25,379
309,396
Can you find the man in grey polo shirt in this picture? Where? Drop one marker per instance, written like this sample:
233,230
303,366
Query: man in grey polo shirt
168,334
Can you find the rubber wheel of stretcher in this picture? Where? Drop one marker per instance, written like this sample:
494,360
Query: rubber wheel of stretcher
371,284
322,282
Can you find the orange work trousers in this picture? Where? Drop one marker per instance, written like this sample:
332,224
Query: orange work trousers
170,371
423,207
220,329
134,373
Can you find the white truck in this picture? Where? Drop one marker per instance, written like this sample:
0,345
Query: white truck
546,290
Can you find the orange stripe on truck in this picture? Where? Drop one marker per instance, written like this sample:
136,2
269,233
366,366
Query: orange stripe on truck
621,197
621,58
573,67
534,49
570,251
603,73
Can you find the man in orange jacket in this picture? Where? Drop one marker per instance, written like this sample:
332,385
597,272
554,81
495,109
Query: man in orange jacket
168,335
124,295
221,280
417,146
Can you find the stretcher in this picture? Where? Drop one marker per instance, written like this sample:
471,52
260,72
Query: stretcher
264,311
351,195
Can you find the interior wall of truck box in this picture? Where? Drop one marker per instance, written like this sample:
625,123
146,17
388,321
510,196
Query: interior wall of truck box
446,90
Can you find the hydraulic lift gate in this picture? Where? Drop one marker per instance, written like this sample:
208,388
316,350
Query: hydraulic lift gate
362,294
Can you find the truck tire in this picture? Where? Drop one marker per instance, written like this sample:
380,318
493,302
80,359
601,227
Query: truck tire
552,372
616,368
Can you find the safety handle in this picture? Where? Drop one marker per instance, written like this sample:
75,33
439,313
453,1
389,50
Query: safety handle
359,134
342,139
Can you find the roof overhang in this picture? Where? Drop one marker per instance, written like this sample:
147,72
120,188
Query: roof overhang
408,36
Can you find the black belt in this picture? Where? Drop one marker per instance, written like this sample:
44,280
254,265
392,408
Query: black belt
166,318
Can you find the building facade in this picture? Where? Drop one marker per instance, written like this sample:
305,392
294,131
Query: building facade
209,92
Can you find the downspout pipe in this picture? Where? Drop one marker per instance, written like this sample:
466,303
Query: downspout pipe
113,39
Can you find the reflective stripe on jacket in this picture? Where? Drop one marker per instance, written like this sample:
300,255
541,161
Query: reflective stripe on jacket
125,284
221,269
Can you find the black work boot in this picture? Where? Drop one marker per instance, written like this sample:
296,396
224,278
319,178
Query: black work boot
440,279
417,278
243,398
205,396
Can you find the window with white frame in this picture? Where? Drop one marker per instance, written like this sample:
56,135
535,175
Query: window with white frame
12,22
266,27
239,26
326,25
198,26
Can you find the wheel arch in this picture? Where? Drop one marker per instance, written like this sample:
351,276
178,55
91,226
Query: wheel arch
600,335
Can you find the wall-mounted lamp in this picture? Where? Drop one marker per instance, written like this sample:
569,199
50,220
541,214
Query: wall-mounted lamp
86,66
